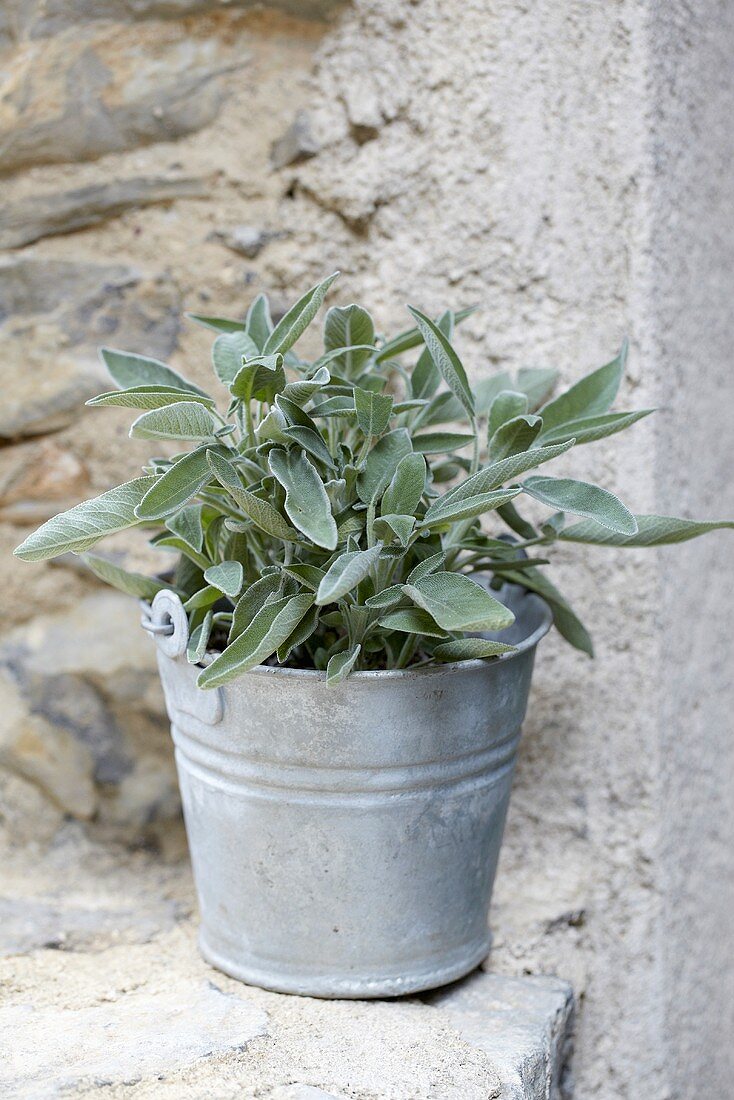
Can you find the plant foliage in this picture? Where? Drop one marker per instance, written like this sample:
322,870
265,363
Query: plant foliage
331,514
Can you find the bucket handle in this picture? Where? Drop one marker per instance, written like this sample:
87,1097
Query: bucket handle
166,620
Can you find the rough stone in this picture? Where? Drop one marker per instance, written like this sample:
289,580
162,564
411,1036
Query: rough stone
29,219
59,312
296,144
91,91
39,479
246,240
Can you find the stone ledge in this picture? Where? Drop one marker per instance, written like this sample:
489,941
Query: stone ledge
113,994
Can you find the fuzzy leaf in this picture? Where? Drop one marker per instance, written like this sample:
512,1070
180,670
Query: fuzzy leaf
537,384
205,597
566,621
425,567
187,524
651,531
590,428
344,327
412,620
259,324
272,626
227,576
469,649
590,396
486,389
466,507
147,397
412,338
252,600
259,378
129,370
406,487
389,526
387,597
346,573
199,639
312,441
583,499
373,411
426,377
228,352
261,512
341,664
180,482
298,318
513,437
310,575
507,405
457,603
381,464
306,500
183,420
218,324
302,391
445,359
497,473
132,584
86,523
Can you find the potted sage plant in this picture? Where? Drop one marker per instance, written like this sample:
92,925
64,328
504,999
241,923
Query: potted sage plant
347,632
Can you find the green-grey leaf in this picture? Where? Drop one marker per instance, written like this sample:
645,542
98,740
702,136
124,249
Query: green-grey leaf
445,359
86,523
227,576
590,428
260,378
412,620
451,511
128,370
131,583
341,664
590,396
345,326
537,383
298,318
513,437
373,411
381,464
486,389
218,324
390,526
434,443
470,649
412,338
425,567
583,499
651,531
310,575
426,377
306,500
180,482
259,324
406,487
346,573
302,391
187,524
566,621
497,473
507,405
272,626
199,639
147,397
228,352
312,441
387,597
182,420
205,597
251,601
261,512
457,603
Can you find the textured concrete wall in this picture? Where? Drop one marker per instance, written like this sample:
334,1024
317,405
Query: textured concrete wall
563,165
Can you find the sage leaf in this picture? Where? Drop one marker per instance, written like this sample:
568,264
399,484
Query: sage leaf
373,411
259,378
651,531
199,639
465,508
426,377
486,389
513,437
446,360
497,473
346,326
387,597
537,383
183,420
346,573
301,634
298,318
128,370
312,441
86,523
310,575
425,567
565,619
306,500
591,428
147,397
302,391
180,482
218,324
272,626
458,603
381,464
205,597
259,324
583,499
341,664
252,600
507,405
406,487
187,524
388,527
590,396
433,443
412,620
131,583
227,576
471,649
412,338
228,352
261,512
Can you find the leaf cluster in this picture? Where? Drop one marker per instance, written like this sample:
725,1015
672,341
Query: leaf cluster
329,514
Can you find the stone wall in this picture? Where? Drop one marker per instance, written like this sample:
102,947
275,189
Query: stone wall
164,155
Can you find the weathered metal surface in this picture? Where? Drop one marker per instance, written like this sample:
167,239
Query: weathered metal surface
344,840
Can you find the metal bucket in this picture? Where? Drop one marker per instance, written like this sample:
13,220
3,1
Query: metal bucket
344,840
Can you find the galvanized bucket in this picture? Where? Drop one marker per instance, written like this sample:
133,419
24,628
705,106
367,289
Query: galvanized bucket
344,840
